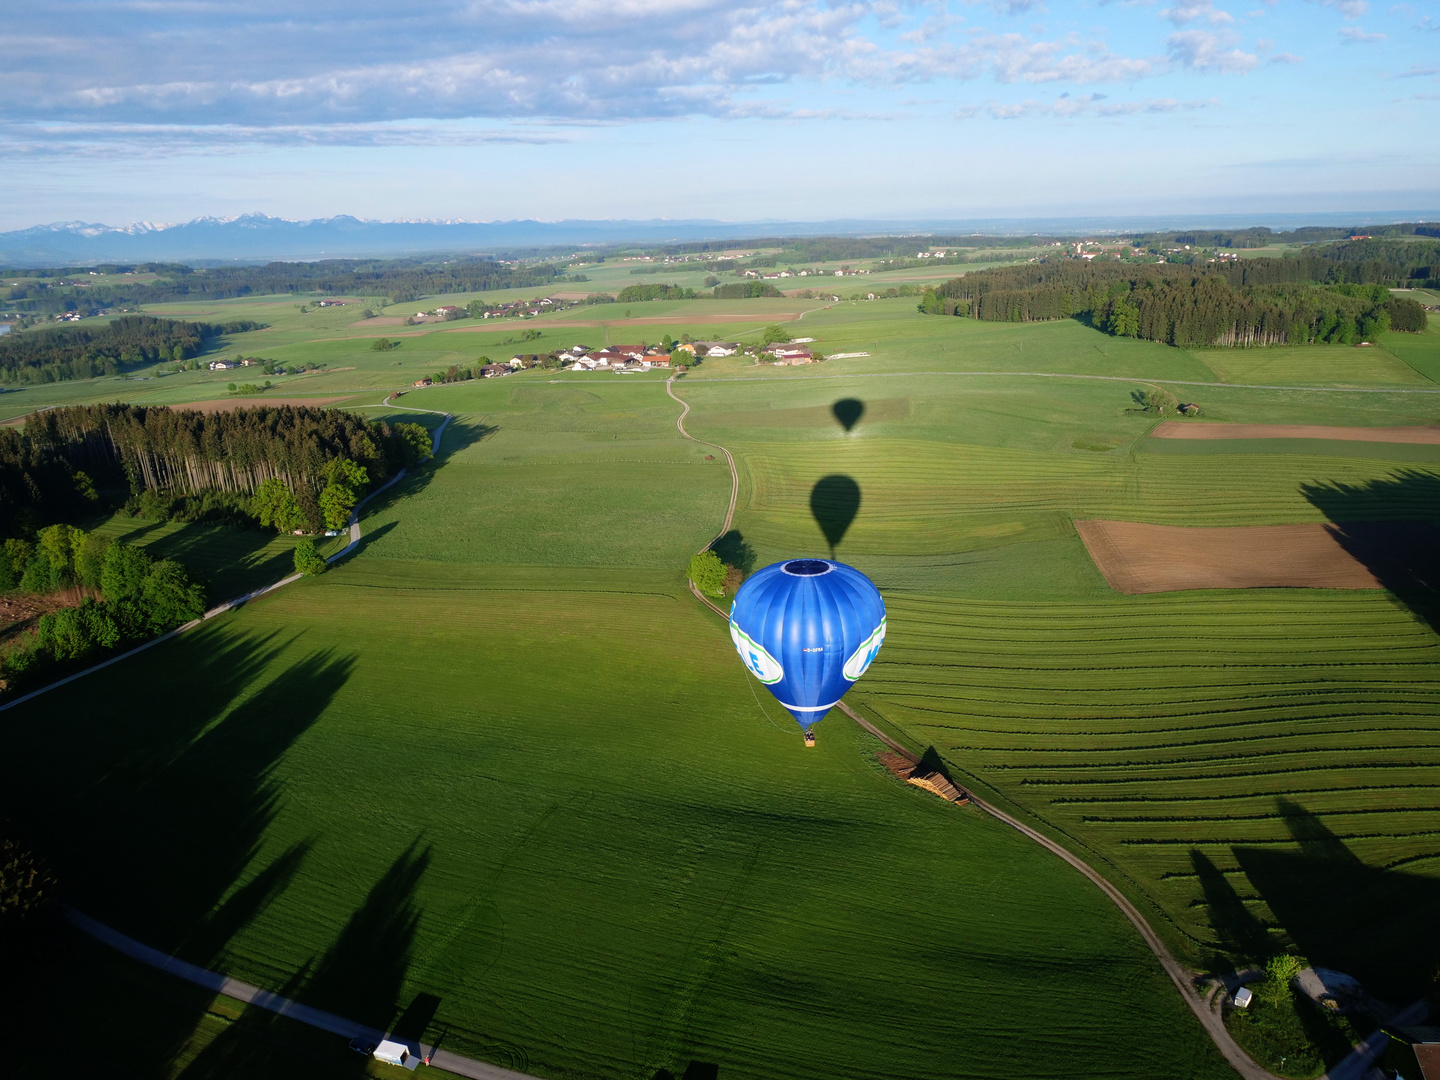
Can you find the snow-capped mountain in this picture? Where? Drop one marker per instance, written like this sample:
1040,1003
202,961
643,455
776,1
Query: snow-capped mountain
259,236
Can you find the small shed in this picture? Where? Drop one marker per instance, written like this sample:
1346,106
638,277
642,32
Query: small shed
1243,997
392,1053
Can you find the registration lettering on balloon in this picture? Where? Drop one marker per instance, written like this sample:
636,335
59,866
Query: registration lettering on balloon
807,629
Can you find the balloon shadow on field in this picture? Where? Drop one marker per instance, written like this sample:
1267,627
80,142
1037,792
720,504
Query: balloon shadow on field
834,501
848,411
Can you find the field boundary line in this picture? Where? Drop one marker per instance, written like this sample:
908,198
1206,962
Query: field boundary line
230,605
1212,1022
283,1006
721,380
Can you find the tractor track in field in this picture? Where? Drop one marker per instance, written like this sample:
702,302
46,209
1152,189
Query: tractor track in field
1211,1019
734,473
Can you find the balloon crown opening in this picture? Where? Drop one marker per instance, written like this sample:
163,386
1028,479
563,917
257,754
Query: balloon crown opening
807,567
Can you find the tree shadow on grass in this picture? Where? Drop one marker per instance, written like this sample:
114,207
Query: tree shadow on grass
734,550
1389,527
459,434
1377,924
359,978
1240,936
152,788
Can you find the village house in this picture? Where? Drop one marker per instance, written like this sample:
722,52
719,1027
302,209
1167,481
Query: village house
789,354
711,348
421,382
222,365
490,371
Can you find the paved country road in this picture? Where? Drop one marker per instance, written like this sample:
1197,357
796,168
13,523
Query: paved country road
264,999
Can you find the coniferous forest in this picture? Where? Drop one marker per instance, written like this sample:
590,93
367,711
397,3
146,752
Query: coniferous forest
285,468
1336,295
271,464
83,352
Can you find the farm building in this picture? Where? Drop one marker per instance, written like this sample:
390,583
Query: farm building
790,354
421,382
394,1053
490,371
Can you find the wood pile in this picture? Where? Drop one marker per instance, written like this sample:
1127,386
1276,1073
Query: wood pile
937,784
898,765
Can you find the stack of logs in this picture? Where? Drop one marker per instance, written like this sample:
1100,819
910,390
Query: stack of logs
934,782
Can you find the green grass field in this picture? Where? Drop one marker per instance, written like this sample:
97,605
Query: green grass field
544,793
503,758
1234,759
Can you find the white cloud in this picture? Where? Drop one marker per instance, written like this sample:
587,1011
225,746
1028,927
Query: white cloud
1351,9
1185,11
1065,106
1354,35
1285,58
1206,51
208,65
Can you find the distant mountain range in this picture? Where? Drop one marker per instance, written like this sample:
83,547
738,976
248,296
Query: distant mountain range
258,237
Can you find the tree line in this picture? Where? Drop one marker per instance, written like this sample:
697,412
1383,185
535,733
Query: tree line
400,279
1260,236
287,467
83,352
1261,302
122,595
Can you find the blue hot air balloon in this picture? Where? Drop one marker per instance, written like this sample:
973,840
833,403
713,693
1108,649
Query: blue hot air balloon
807,629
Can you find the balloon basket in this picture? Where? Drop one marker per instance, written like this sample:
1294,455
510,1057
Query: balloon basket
809,738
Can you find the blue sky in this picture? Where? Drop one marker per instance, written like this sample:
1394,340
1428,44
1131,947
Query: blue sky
164,110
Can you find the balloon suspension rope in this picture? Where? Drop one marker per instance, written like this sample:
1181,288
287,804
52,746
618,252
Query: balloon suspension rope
750,682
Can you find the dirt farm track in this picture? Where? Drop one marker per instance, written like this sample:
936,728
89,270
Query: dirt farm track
1140,558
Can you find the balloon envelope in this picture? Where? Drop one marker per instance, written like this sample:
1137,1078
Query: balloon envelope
807,629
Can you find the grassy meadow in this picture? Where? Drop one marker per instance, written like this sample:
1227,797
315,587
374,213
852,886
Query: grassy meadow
1260,768
501,757
513,765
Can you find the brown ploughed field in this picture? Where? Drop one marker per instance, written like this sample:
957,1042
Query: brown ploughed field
1139,558
1178,429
